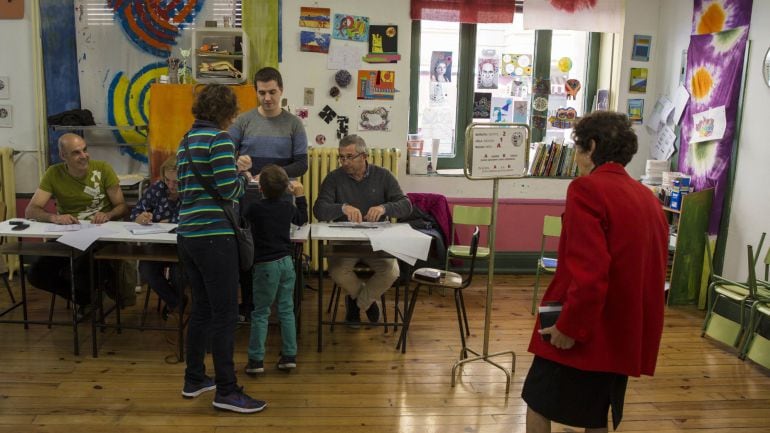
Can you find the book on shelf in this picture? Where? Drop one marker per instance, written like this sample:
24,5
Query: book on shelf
553,159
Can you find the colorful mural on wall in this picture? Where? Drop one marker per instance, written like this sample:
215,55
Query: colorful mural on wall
714,73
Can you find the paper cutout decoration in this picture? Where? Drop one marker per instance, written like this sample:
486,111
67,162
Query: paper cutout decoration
565,64
350,27
482,105
320,139
641,50
327,114
314,42
342,127
376,84
565,118
502,109
317,18
374,119
638,80
636,110
572,87
516,65
302,113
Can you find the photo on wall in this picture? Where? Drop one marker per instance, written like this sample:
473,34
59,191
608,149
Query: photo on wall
638,80
441,66
641,50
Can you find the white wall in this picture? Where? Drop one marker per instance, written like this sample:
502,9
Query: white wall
16,64
751,202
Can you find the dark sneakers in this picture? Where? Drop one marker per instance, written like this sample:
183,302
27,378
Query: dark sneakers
192,390
255,367
373,313
287,363
352,313
238,401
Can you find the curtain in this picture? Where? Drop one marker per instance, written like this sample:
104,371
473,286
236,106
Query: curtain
261,24
464,11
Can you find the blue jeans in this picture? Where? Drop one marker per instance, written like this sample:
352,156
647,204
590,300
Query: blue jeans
273,281
211,266
154,274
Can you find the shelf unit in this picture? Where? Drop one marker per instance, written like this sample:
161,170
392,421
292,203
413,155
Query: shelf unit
690,224
225,46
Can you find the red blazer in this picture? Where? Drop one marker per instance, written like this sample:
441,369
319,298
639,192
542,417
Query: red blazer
610,276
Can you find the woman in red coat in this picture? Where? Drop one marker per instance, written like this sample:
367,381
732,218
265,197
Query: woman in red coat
610,282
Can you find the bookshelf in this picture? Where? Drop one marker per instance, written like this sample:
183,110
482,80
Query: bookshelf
688,224
552,160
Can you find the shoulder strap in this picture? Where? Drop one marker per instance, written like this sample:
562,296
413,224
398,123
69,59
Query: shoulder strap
212,192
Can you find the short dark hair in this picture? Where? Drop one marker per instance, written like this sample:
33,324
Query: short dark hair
268,74
216,103
612,132
354,139
273,181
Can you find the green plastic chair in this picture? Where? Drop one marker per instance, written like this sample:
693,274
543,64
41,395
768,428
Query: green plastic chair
551,229
729,294
756,346
472,216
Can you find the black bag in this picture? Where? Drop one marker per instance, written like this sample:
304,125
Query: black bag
241,226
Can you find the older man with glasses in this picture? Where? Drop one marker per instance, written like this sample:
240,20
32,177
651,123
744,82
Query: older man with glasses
358,191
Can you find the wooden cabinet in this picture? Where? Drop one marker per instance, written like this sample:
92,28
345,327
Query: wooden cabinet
689,226
219,56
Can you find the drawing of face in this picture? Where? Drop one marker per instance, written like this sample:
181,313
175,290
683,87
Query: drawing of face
487,76
440,69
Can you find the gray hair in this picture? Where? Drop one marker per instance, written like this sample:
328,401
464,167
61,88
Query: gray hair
357,140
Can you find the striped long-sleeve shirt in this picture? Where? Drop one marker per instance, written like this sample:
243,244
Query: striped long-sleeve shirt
213,154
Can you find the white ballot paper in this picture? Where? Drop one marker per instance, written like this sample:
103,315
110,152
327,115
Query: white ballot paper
401,241
82,239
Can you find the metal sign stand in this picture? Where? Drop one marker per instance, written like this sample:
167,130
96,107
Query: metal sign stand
493,152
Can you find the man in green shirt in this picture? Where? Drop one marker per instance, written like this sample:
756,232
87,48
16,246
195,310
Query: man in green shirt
84,190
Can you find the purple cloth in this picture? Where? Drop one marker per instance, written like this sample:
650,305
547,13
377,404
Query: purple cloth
438,207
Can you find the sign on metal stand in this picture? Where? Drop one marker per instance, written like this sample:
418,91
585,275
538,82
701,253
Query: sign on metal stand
494,151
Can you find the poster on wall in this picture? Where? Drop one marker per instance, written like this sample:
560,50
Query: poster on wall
374,118
636,110
488,69
314,42
516,65
350,27
641,50
482,105
383,39
502,109
441,66
638,80
316,18
376,84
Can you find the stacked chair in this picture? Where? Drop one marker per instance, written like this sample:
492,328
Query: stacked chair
756,345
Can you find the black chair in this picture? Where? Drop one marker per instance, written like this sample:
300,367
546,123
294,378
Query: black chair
363,272
450,280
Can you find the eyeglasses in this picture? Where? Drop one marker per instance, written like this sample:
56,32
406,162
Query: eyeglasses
168,181
343,158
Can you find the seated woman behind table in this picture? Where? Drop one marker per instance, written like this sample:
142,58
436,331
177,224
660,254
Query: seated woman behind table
160,203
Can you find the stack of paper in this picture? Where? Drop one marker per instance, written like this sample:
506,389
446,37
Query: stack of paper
401,241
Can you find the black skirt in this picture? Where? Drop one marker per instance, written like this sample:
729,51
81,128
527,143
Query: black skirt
574,397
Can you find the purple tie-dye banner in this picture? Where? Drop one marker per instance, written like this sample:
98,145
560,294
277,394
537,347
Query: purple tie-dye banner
714,73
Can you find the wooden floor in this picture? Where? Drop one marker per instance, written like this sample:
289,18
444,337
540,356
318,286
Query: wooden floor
359,383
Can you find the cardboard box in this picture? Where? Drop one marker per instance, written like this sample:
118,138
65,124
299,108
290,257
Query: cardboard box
417,165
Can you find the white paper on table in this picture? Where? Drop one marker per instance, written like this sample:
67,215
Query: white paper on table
663,147
401,240
346,57
681,96
82,239
663,108
709,125
54,228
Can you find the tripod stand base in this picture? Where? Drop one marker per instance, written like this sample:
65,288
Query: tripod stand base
486,358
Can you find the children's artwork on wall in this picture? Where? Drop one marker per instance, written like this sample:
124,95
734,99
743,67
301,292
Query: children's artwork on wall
520,111
482,105
487,72
6,116
302,113
441,66
350,27
603,99
641,51
516,65
572,87
564,64
155,36
314,42
376,84
438,93
5,88
638,80
636,110
342,127
709,125
327,114
317,18
502,109
383,39
374,119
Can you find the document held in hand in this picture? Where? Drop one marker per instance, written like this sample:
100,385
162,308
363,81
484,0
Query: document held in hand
548,313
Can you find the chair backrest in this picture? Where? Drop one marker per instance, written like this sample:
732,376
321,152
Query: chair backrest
752,280
472,215
767,265
754,258
551,225
474,248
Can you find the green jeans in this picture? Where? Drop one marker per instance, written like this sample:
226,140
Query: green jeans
273,281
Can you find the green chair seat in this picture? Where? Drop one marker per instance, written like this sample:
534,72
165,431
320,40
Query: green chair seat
733,292
464,251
